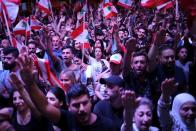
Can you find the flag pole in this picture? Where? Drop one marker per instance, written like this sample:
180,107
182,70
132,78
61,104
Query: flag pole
50,6
7,26
84,24
177,8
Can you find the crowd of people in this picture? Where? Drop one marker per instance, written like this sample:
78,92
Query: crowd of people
137,74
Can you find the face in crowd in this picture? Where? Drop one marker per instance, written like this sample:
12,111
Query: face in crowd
31,48
98,53
67,55
141,33
67,79
188,112
19,102
182,54
56,45
112,92
143,117
81,107
4,43
9,61
139,64
53,100
167,58
121,35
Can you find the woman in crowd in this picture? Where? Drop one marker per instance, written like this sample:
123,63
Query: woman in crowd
182,116
137,113
99,65
25,116
56,97
67,78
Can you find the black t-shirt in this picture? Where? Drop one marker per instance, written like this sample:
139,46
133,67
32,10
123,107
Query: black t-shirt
162,73
148,88
41,124
105,109
68,122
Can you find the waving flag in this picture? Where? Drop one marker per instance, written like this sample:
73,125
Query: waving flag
109,10
125,3
11,8
80,34
35,24
43,67
166,5
44,6
16,44
22,28
152,3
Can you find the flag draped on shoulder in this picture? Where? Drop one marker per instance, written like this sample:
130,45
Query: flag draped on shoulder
10,9
22,28
125,3
43,67
44,6
109,10
152,3
80,34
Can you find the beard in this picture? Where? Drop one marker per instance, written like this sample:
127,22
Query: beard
8,66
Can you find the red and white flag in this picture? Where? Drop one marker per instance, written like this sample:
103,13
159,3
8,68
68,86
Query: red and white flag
104,2
43,67
35,24
80,34
152,3
44,6
11,8
166,5
22,28
125,3
109,10
16,44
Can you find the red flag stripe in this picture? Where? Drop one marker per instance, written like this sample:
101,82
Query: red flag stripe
44,9
78,31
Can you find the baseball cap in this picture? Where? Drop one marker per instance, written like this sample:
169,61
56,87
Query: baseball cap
116,58
114,79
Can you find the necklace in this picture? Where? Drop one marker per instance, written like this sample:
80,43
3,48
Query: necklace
23,120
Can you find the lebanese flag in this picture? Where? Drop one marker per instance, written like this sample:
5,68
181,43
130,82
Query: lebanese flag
11,8
22,28
44,6
166,5
125,3
152,3
16,44
82,12
80,34
109,10
35,24
43,67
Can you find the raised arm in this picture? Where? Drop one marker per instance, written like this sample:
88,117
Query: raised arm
26,68
153,52
49,51
168,86
130,46
25,95
129,101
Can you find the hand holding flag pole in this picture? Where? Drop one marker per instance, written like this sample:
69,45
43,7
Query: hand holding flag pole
7,26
